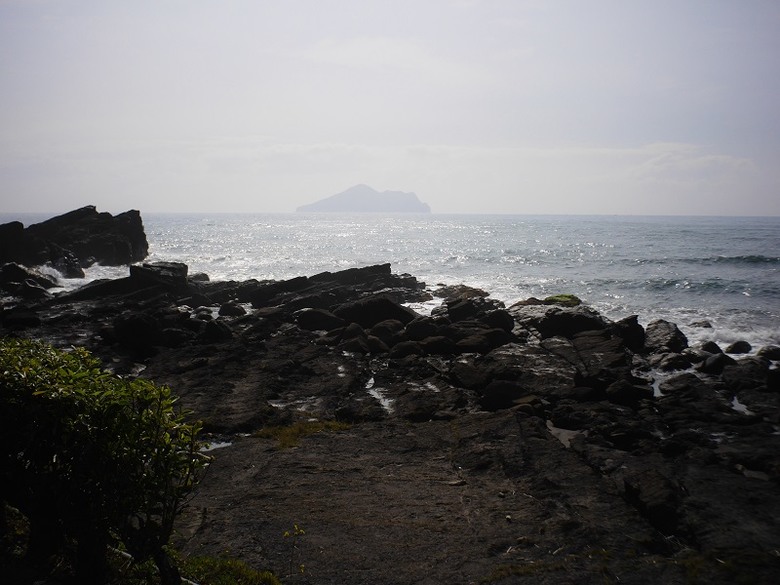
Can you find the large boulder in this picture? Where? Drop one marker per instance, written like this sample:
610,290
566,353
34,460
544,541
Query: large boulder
557,321
632,333
78,238
13,273
663,336
170,275
369,311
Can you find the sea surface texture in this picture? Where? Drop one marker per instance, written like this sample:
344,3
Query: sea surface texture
689,270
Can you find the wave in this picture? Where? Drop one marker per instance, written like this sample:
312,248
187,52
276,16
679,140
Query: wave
749,259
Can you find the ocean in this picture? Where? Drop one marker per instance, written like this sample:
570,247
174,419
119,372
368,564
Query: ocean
724,271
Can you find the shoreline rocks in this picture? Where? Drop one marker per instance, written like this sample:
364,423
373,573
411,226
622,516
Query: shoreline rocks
540,439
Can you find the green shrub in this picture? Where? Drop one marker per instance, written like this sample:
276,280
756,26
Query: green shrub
225,571
89,457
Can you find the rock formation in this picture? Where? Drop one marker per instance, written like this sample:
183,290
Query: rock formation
538,442
75,240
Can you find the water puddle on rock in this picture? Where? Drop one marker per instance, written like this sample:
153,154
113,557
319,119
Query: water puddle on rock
217,445
379,395
739,407
563,435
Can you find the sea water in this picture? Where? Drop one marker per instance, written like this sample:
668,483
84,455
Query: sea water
721,271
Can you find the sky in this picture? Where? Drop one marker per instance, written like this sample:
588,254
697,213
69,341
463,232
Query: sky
481,106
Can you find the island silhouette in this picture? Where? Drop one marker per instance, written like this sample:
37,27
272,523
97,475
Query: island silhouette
362,198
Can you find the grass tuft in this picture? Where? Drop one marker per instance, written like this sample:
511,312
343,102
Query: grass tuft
290,435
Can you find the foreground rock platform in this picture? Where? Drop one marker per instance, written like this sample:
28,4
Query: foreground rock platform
480,443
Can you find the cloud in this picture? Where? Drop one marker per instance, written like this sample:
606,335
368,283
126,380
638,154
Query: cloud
258,173
389,54
687,163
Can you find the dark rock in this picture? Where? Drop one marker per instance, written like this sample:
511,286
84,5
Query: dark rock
420,328
352,331
453,292
19,318
263,295
483,341
470,374
669,362
631,332
419,405
663,336
499,319
16,273
403,349
686,382
83,234
389,331
138,331
500,394
215,331
371,310
746,373
318,319
176,337
573,417
773,380
529,302
357,344
598,356
770,352
66,263
711,347
656,497
439,345
376,345
29,290
171,275
715,363
588,394
739,347
625,393
231,309
692,355
464,308
377,273
568,322
12,247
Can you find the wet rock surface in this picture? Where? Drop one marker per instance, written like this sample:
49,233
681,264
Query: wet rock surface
536,443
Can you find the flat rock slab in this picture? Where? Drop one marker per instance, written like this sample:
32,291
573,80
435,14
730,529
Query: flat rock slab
486,498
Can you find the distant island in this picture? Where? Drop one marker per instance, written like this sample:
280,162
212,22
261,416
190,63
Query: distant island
362,198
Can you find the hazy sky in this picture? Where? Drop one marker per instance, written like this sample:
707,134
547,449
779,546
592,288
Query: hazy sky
486,106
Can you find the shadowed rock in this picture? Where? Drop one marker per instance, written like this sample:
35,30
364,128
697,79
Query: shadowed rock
75,240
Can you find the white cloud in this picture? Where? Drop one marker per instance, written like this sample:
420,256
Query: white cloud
385,54
256,173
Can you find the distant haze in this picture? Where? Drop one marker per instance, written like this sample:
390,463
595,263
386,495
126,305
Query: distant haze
494,106
362,198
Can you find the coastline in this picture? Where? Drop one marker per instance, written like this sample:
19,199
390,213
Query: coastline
524,440
474,442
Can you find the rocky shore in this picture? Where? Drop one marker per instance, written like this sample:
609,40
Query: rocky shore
479,443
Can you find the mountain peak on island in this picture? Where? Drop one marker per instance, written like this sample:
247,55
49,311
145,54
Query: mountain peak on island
362,198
